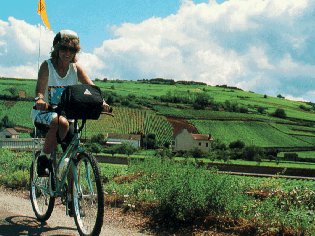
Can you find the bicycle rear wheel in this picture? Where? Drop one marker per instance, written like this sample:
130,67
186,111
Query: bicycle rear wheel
88,197
42,202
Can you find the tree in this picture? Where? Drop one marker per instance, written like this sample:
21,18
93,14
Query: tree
280,113
164,152
149,141
261,110
99,138
251,153
237,144
197,153
94,147
126,148
202,100
5,122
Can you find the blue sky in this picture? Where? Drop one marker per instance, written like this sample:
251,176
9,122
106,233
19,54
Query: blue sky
265,46
92,20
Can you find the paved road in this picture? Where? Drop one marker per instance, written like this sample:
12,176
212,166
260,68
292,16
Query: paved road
17,218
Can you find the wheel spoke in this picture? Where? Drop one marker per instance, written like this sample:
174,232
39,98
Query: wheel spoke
42,202
88,197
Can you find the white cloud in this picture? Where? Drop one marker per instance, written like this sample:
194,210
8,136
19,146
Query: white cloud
19,48
265,46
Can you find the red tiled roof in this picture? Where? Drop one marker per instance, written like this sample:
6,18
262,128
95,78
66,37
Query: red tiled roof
12,131
201,136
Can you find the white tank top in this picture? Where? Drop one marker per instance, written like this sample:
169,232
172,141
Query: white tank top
56,83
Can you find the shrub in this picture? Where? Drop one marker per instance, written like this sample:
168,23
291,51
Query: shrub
197,153
237,144
243,110
290,156
261,110
183,193
94,147
149,141
251,153
304,108
5,122
280,113
202,100
99,138
164,152
14,174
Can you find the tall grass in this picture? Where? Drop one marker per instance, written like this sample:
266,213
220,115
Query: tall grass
14,168
182,193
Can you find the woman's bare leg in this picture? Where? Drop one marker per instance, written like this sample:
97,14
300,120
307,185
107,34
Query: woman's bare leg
51,137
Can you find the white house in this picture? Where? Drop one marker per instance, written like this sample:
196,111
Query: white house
185,141
133,139
9,133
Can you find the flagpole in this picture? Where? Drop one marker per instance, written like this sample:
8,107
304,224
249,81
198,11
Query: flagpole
41,10
40,35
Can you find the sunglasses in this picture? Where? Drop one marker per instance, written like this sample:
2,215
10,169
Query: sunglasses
67,48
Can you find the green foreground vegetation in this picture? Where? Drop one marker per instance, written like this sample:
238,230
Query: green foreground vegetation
182,194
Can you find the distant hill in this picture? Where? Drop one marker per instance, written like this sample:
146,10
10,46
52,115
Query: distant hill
164,107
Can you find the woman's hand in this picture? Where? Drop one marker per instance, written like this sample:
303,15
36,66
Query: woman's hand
41,105
105,107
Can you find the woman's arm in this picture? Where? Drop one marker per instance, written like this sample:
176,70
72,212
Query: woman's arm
42,80
41,86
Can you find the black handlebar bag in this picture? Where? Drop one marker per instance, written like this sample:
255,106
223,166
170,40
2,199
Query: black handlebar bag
81,101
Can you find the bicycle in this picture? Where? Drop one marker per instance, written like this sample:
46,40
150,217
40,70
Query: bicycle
82,194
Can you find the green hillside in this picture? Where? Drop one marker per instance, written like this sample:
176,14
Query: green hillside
250,132
143,107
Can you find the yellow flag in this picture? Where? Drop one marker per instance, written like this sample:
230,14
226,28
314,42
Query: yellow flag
41,10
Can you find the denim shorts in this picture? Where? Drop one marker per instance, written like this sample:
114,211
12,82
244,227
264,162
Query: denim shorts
43,117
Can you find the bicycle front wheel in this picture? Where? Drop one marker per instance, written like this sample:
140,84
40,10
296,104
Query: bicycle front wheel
42,202
88,197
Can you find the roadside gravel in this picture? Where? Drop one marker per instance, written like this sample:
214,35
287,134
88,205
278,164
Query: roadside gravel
17,218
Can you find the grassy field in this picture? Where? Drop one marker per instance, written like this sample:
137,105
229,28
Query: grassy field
18,112
132,121
250,132
26,85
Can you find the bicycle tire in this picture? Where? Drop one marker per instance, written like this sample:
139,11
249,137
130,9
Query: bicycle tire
88,197
42,202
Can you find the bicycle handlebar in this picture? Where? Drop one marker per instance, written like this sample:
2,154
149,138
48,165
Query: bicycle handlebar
55,108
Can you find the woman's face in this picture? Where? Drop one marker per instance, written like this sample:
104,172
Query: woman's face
67,53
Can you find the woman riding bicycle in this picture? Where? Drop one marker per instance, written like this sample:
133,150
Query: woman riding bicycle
54,74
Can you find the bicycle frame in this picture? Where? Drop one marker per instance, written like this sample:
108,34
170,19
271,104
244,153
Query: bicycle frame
71,152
